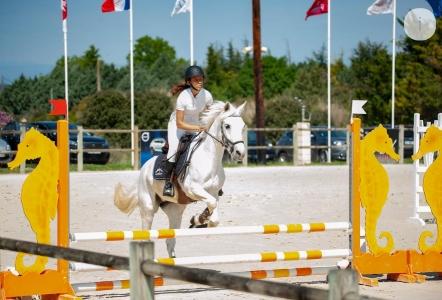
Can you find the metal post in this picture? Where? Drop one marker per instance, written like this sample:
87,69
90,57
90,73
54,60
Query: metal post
141,285
303,113
80,149
401,144
136,149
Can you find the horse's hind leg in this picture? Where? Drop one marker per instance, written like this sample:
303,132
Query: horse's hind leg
148,207
174,212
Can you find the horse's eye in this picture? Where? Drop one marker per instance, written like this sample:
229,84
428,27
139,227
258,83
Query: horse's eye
227,126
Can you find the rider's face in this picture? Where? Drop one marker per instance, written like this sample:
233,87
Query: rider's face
197,82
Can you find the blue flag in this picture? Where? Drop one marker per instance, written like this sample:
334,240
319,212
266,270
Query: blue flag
436,5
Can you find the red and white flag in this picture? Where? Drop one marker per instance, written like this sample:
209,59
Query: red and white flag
318,7
381,7
64,12
115,5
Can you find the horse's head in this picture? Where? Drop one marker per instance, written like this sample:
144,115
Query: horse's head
34,145
431,142
380,141
233,130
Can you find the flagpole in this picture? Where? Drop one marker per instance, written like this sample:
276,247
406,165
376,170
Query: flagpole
132,119
66,90
329,82
191,32
393,65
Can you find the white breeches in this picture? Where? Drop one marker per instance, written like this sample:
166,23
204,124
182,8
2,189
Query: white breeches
173,137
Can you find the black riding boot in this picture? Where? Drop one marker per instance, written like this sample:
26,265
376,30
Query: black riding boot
168,186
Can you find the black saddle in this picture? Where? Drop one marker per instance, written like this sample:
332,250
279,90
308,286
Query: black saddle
183,156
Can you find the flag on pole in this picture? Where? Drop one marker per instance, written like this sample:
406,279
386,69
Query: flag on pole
64,10
115,5
318,7
58,107
181,6
381,7
64,13
436,5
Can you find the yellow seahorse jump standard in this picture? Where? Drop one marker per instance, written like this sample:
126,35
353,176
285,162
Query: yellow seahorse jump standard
45,187
375,186
369,190
432,185
39,194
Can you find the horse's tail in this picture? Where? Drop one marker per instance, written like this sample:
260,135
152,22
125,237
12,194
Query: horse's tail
38,266
126,200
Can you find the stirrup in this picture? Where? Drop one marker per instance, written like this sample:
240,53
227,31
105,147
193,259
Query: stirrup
168,189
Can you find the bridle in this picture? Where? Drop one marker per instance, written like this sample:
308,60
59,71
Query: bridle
225,141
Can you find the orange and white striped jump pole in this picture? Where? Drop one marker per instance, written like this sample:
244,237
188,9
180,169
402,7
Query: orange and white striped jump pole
236,258
160,281
174,233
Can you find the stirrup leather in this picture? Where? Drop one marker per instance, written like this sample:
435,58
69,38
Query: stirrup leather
168,189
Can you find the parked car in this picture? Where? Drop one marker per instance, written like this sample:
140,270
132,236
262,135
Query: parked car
93,144
317,138
4,157
338,144
253,153
285,154
11,133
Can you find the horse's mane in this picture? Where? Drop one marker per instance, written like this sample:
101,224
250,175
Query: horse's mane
210,114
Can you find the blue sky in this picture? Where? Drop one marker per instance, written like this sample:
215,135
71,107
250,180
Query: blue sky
31,37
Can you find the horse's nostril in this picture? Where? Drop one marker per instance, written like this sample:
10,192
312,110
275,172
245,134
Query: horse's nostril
238,152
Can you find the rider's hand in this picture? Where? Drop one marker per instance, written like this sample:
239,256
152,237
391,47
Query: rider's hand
202,128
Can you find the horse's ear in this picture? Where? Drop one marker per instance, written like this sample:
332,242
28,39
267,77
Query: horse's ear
227,106
240,109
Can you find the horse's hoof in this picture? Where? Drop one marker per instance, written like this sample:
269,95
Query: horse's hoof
202,226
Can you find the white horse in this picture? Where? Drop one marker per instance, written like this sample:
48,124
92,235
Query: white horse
204,177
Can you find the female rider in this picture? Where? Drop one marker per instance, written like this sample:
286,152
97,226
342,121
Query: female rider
192,100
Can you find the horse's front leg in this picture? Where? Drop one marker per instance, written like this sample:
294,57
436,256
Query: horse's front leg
210,214
174,212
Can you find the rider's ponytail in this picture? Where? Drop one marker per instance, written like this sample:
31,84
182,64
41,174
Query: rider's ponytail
176,89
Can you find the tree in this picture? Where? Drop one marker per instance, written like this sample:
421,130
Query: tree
5,118
106,110
17,97
89,58
371,68
147,50
153,109
111,110
419,78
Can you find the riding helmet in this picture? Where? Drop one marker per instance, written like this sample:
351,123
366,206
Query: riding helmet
193,71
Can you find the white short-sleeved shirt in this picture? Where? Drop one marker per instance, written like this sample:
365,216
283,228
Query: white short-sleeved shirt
193,106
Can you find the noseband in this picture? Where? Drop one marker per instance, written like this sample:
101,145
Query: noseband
225,141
